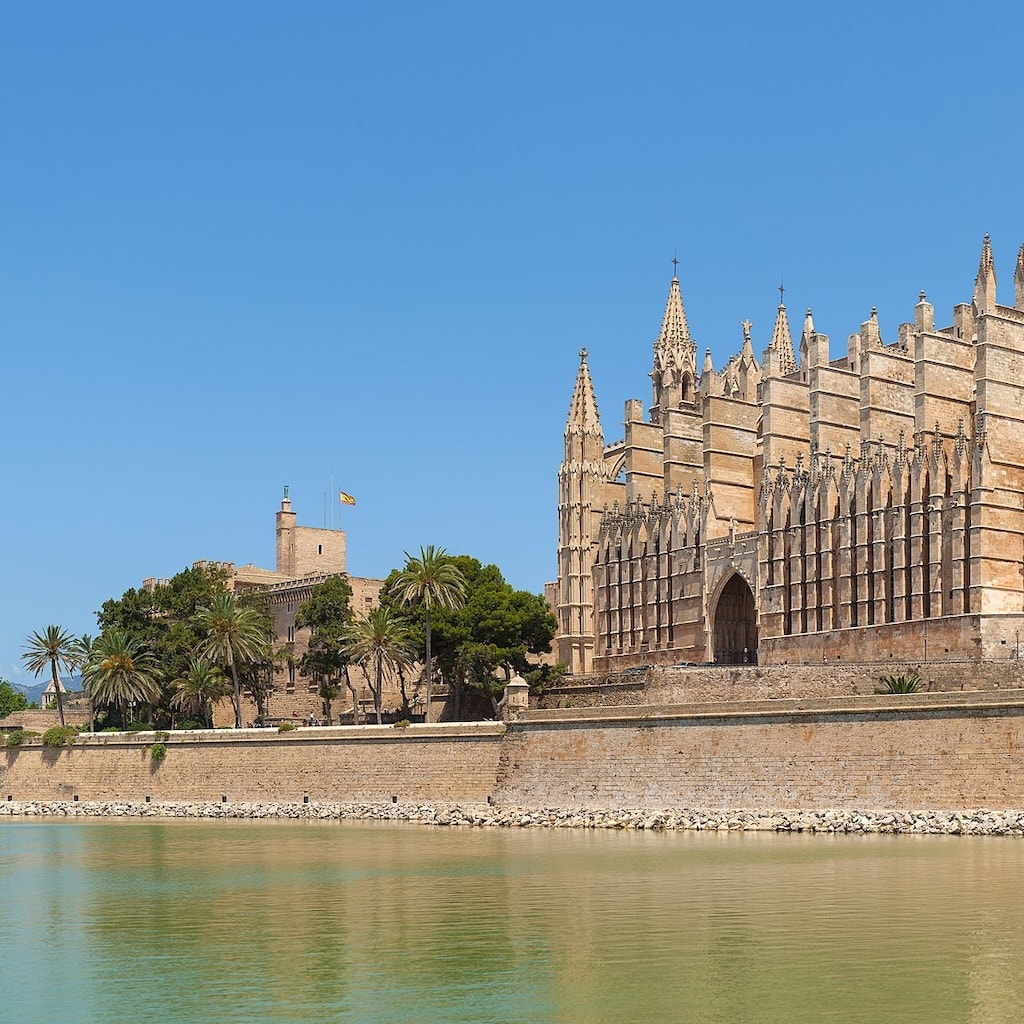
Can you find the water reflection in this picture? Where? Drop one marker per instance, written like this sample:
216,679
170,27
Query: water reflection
224,921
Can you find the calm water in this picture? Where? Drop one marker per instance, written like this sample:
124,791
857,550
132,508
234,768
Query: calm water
252,921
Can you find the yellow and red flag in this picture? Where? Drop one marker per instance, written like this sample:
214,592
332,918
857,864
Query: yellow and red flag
346,499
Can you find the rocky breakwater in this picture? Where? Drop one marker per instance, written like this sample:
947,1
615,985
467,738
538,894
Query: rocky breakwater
979,822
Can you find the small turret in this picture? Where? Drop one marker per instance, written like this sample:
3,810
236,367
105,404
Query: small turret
1018,280
985,282
870,332
924,315
286,537
806,337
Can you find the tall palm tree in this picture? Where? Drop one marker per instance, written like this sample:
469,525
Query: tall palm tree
433,580
234,634
83,647
197,688
379,640
121,672
54,648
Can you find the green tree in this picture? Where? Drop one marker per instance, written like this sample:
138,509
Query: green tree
195,691
234,634
11,700
328,614
121,672
432,581
164,619
379,641
53,649
493,634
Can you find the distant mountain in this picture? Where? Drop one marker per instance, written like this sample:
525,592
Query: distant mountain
34,694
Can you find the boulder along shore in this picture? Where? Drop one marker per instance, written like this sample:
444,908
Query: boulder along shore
979,822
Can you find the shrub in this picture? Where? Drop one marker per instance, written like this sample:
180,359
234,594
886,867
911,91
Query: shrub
60,736
910,683
158,751
161,736
17,737
286,727
402,723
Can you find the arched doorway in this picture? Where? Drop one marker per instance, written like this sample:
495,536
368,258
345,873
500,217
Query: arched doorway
735,624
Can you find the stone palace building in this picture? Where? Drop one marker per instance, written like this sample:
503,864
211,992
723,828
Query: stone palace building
807,507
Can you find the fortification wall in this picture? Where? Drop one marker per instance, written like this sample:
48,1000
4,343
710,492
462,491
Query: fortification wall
454,763
938,751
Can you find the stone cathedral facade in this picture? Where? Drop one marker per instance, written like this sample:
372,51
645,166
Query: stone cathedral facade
806,507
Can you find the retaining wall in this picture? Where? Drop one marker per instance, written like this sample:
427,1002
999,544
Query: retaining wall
937,751
454,763
770,682
942,751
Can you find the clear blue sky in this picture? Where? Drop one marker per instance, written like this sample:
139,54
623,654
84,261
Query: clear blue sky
244,245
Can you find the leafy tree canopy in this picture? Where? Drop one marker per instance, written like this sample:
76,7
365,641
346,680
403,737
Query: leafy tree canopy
328,614
328,609
11,700
164,619
491,635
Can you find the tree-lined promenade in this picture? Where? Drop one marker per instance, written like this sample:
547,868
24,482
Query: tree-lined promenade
167,655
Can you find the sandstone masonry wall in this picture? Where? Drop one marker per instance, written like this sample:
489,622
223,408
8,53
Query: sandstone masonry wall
455,763
771,682
930,751
937,751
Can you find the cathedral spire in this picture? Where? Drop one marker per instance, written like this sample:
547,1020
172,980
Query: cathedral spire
583,416
985,282
674,328
675,353
781,345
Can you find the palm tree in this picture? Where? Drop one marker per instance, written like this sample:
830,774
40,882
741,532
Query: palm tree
433,580
54,648
379,640
234,634
83,649
197,688
121,672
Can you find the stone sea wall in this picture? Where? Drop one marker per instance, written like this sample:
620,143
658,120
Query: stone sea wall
362,763
933,758
937,751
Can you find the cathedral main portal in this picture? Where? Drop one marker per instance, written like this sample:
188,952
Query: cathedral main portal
735,621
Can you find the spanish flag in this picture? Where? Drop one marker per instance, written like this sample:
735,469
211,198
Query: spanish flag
346,499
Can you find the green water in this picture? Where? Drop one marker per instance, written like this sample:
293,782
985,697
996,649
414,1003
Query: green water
253,921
